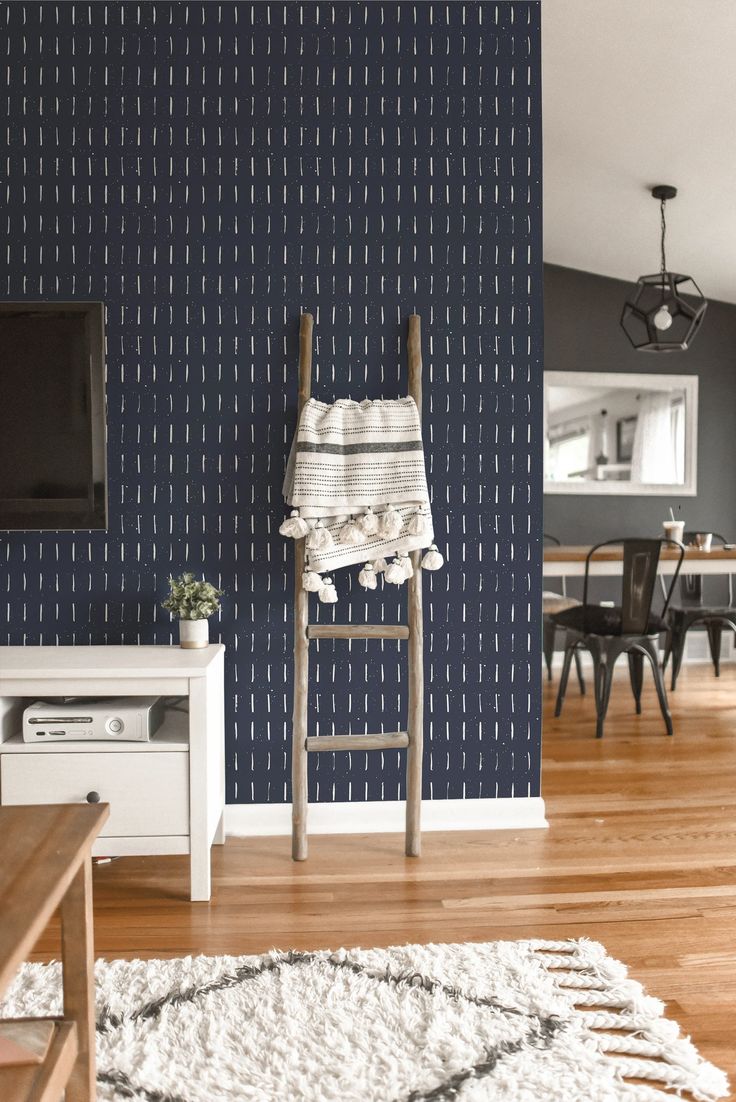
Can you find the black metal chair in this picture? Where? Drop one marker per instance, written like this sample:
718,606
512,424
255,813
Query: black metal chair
690,612
631,629
553,603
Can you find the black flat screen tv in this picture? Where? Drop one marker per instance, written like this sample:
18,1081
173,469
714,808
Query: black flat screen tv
52,416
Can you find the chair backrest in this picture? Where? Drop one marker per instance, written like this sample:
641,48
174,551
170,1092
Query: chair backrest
691,585
640,567
546,538
641,562
689,537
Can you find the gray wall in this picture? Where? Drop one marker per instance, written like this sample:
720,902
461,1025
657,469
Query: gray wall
582,333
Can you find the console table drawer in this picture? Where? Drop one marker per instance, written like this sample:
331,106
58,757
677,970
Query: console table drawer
148,793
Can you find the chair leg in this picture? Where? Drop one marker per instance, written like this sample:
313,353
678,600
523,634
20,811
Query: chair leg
579,671
650,649
636,676
715,630
604,678
548,643
567,661
667,647
678,650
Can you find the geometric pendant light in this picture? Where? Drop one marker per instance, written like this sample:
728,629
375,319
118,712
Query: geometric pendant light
663,312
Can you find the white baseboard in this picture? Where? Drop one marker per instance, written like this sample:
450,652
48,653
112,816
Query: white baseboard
376,817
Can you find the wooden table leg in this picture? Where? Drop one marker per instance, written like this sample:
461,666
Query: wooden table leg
77,957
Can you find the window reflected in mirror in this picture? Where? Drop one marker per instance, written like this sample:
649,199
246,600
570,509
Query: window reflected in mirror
607,433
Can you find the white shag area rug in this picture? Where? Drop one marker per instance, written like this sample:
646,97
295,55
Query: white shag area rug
521,1021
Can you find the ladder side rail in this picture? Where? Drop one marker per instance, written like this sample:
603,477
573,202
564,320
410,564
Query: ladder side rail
415,620
299,795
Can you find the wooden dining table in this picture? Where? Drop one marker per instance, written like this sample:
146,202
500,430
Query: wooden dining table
568,561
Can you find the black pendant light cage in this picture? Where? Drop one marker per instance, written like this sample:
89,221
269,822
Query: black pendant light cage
675,300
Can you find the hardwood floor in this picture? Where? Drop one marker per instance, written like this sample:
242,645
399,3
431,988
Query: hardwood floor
640,854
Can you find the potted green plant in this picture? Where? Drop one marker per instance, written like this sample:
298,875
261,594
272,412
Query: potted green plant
193,600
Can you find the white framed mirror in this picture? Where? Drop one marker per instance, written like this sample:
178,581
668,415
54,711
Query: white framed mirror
611,433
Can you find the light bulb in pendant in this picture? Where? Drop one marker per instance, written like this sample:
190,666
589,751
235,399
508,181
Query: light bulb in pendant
662,319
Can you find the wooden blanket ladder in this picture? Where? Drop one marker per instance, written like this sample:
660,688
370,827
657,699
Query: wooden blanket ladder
412,739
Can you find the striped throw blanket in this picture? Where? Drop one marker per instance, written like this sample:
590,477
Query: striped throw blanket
357,485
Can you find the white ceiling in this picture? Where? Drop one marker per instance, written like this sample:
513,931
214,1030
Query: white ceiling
637,93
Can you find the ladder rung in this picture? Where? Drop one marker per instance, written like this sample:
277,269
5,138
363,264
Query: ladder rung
357,631
392,741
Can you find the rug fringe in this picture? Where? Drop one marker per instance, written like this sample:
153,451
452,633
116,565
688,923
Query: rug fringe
647,1045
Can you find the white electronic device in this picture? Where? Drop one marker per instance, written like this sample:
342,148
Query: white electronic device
120,719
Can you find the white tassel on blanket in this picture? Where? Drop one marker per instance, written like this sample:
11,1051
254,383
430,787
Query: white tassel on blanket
356,475
368,522
395,573
367,577
294,527
311,582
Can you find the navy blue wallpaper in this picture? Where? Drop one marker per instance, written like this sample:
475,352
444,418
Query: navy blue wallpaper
210,170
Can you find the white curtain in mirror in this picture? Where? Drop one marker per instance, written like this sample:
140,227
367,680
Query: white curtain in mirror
658,446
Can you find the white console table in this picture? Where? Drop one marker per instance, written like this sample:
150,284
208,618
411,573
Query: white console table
167,795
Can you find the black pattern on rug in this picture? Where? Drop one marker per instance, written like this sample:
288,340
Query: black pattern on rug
448,1090
107,1020
123,1086
541,1034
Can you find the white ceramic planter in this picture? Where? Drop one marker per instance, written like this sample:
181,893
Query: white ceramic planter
194,634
